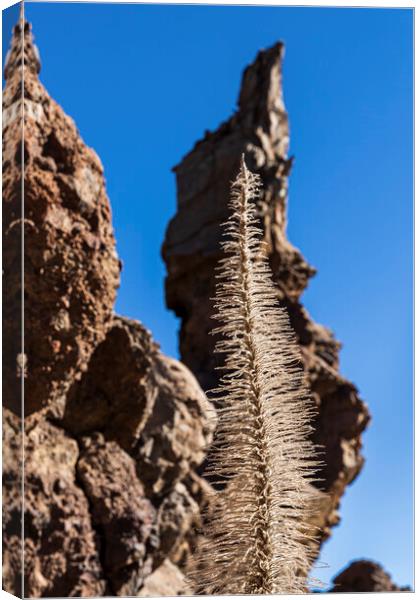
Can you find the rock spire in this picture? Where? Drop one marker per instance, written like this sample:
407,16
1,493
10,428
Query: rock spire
259,129
71,270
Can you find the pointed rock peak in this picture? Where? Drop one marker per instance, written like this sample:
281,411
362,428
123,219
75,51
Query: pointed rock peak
261,81
22,50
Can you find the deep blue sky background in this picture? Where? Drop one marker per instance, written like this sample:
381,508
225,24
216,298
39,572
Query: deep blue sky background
144,82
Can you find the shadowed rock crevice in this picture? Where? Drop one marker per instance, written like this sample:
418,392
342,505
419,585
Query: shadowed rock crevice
120,510
116,394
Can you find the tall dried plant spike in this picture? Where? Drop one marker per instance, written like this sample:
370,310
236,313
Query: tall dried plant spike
256,537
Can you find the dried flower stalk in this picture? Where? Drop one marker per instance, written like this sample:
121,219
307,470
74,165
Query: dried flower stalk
256,537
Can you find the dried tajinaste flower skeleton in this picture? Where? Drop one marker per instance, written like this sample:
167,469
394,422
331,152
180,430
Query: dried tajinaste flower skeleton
256,536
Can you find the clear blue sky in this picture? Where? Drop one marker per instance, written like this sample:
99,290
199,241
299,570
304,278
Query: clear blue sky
144,82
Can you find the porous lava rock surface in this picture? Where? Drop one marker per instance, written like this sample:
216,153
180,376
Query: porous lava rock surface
191,250
71,269
61,547
113,430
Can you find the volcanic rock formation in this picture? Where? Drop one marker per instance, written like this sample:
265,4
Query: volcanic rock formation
365,576
114,432
113,429
191,250
71,269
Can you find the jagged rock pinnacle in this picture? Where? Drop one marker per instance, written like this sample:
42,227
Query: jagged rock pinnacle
71,269
261,91
22,51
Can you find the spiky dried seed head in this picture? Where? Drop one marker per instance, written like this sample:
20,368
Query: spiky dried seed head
256,537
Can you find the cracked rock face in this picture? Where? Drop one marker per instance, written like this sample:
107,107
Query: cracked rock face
177,514
113,429
120,512
149,403
117,400
191,250
62,550
12,502
92,526
179,430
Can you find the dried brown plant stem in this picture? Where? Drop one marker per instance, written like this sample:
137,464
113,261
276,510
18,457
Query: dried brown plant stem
256,539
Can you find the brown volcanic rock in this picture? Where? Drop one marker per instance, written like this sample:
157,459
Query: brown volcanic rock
155,425
178,512
71,268
117,392
149,403
62,553
12,227
191,250
179,431
91,527
202,497
167,580
12,502
365,576
120,511
112,426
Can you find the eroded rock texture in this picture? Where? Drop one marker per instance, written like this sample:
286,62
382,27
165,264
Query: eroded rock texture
12,502
147,402
120,512
71,270
365,576
113,429
259,129
61,547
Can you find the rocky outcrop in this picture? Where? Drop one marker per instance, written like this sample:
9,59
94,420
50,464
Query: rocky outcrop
105,507
191,250
116,394
365,576
179,430
62,550
113,429
114,432
121,513
150,404
71,269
